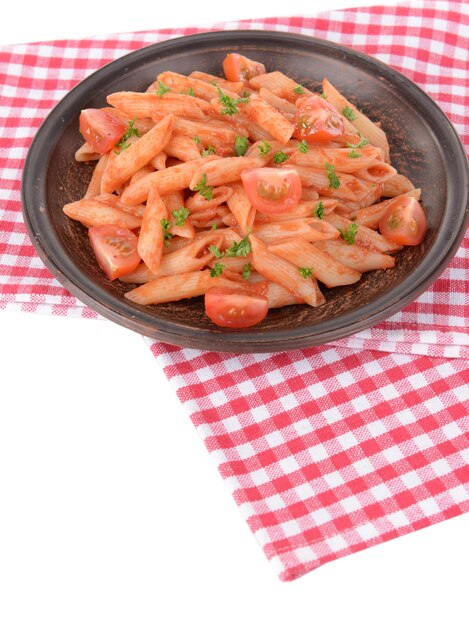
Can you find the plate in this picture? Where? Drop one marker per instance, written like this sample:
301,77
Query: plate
424,147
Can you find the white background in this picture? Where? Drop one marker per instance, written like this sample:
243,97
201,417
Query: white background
111,511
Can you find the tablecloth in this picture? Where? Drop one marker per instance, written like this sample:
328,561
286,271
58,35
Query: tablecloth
326,450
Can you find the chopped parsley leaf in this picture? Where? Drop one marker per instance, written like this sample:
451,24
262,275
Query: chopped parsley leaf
334,182
264,148
196,140
353,154
162,89
246,271
299,89
360,144
319,210
167,236
349,113
217,270
303,146
230,105
180,215
190,92
280,157
130,132
210,150
348,234
242,248
215,250
241,145
305,271
205,190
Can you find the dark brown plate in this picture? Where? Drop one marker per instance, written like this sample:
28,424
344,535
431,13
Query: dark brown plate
424,146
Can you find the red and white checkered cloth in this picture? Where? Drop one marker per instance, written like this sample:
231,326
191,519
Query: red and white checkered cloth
326,450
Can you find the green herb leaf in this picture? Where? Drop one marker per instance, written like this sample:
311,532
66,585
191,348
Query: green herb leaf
217,270
358,145
130,132
196,140
214,226
210,150
299,89
162,89
180,215
303,146
280,157
246,271
242,248
215,250
241,145
349,113
305,271
319,210
323,95
167,236
348,234
353,154
264,148
190,92
334,182
205,190
230,105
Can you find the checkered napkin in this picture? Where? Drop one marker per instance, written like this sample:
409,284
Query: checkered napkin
326,450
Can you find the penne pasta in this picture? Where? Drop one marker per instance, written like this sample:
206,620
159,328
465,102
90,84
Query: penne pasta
249,189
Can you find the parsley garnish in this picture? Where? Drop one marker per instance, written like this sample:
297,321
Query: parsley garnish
280,157
334,182
360,144
246,271
323,95
130,132
180,215
303,146
230,105
299,89
217,270
190,92
319,210
205,190
349,233
167,236
214,226
242,248
210,150
162,89
305,271
349,113
264,148
353,154
241,145
196,140
215,250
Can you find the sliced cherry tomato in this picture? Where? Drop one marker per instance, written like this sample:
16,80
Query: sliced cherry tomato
235,308
317,120
272,189
236,67
101,129
404,222
115,249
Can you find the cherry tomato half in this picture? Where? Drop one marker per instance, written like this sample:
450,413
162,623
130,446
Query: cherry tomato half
101,129
115,249
235,308
317,120
272,189
404,222
236,67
